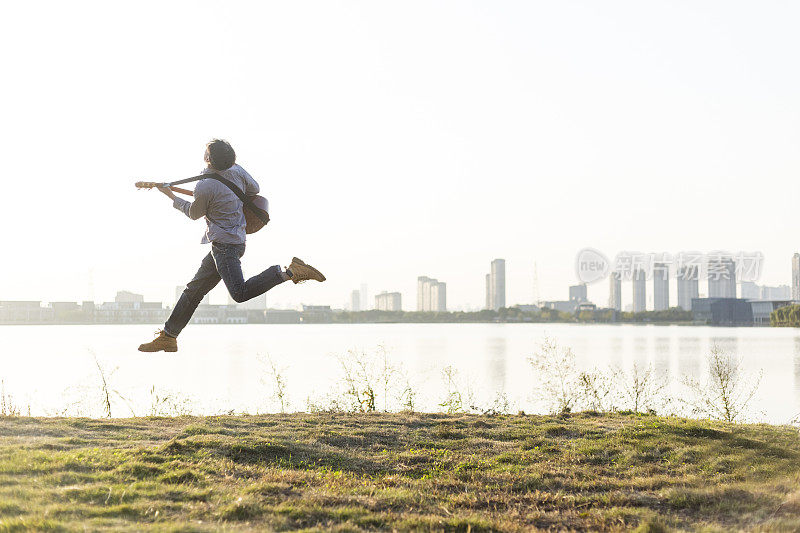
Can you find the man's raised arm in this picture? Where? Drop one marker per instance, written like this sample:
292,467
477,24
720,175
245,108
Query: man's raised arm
193,210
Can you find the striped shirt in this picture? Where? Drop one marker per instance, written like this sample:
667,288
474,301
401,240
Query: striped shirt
221,208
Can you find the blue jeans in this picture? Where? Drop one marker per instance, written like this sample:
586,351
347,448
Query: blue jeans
223,262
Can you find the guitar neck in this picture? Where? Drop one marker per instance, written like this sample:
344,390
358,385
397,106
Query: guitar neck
178,190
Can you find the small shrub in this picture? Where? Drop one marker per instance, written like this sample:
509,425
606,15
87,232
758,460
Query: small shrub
166,403
370,379
727,392
594,391
277,377
556,368
639,390
7,405
453,401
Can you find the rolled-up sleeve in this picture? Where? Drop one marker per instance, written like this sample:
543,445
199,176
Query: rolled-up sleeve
198,207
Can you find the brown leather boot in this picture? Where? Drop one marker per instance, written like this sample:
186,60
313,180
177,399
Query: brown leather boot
161,343
302,272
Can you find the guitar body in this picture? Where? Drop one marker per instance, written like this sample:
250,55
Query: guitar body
253,223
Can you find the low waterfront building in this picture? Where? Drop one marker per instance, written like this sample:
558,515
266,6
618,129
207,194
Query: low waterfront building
722,311
130,312
762,310
315,314
23,312
283,316
563,306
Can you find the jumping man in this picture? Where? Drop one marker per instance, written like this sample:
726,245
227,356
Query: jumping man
225,219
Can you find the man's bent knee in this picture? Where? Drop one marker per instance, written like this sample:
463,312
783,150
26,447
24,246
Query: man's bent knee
238,297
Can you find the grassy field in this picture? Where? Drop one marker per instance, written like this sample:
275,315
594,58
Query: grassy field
397,471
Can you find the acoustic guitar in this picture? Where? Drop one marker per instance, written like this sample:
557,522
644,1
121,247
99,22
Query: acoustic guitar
253,221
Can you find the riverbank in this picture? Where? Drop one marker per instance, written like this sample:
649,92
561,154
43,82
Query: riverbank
397,471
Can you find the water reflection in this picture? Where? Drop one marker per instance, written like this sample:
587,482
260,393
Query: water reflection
728,345
662,354
689,356
496,348
640,352
219,367
797,370
617,347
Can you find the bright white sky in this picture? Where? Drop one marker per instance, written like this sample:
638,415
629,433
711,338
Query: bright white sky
397,139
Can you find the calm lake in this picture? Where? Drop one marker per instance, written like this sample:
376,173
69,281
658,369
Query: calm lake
54,369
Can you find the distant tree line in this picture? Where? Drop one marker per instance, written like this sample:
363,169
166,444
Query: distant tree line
788,316
673,314
513,314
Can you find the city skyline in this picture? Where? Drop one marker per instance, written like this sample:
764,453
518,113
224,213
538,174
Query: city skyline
687,287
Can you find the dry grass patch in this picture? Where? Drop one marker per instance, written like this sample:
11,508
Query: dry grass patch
344,472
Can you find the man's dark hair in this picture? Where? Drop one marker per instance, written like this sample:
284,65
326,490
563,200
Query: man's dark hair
220,154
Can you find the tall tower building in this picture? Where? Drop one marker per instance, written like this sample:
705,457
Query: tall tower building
639,290
439,297
421,292
615,291
796,277
365,300
431,295
355,301
688,285
660,286
498,282
427,296
721,278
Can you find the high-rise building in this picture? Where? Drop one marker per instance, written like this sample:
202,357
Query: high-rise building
796,277
577,293
489,298
355,301
615,291
431,295
439,297
639,290
660,286
748,290
364,298
388,301
721,278
427,299
688,285
781,292
421,280
498,283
